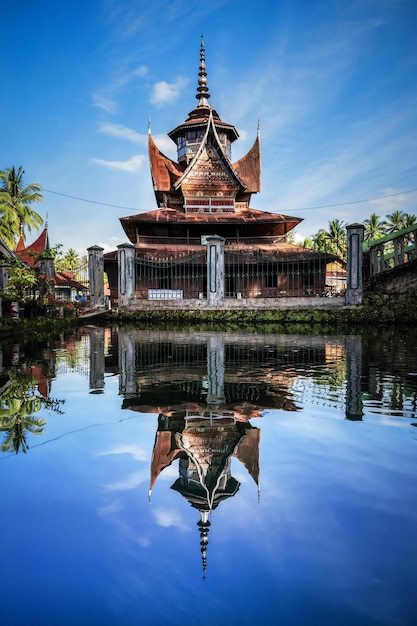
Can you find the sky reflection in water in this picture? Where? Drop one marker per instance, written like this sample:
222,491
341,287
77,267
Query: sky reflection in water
303,447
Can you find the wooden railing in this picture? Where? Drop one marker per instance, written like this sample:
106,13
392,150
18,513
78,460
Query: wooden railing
391,251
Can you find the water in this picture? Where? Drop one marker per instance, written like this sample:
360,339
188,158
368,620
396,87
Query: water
184,478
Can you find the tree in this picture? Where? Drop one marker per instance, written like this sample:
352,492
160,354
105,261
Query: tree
321,241
409,220
374,227
21,278
395,221
336,236
71,259
15,200
18,405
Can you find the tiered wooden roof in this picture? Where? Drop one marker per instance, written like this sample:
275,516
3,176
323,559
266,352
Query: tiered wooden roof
204,186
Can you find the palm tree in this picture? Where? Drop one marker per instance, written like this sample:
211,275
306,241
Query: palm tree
409,220
71,259
16,418
321,241
15,201
395,221
374,227
15,433
337,237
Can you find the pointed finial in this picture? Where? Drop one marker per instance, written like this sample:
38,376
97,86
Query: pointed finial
259,128
149,125
204,526
46,221
202,89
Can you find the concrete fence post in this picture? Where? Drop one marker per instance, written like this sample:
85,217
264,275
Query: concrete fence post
215,270
355,233
126,273
96,276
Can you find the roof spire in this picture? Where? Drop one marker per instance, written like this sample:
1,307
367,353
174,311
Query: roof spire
202,89
204,526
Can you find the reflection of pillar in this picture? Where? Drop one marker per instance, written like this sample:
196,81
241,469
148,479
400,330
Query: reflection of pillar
215,270
127,366
354,405
4,276
96,276
96,357
215,370
126,279
354,263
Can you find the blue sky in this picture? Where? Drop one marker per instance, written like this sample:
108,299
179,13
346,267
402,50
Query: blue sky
332,83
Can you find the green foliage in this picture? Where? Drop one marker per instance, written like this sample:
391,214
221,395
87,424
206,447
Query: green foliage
333,240
15,200
18,404
21,278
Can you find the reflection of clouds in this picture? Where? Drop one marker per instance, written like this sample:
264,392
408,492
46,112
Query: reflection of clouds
167,518
139,454
169,473
131,481
113,507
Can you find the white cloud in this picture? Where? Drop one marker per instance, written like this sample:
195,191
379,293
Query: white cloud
123,132
107,104
110,248
133,164
140,71
129,482
165,93
167,518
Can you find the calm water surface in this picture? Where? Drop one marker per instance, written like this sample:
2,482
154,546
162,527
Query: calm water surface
183,478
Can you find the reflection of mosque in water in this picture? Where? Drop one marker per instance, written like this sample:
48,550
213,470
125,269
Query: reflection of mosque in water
205,388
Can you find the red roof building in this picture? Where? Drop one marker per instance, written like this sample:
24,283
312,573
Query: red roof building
31,255
204,193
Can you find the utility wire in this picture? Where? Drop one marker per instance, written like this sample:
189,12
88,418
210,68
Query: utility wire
65,195
329,206
308,208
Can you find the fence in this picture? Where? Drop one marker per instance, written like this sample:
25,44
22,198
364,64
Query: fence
248,273
81,273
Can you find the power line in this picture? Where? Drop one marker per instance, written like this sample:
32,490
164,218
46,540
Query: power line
329,206
309,208
65,195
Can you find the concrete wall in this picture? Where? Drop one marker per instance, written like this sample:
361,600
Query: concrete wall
395,281
235,304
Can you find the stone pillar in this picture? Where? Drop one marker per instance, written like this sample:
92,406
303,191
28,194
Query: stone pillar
96,336
127,364
215,270
47,267
126,275
215,370
96,276
355,234
354,404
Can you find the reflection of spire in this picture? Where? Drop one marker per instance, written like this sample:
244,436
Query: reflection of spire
204,526
202,89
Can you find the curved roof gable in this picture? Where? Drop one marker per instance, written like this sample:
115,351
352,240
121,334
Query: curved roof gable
30,254
164,171
248,168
